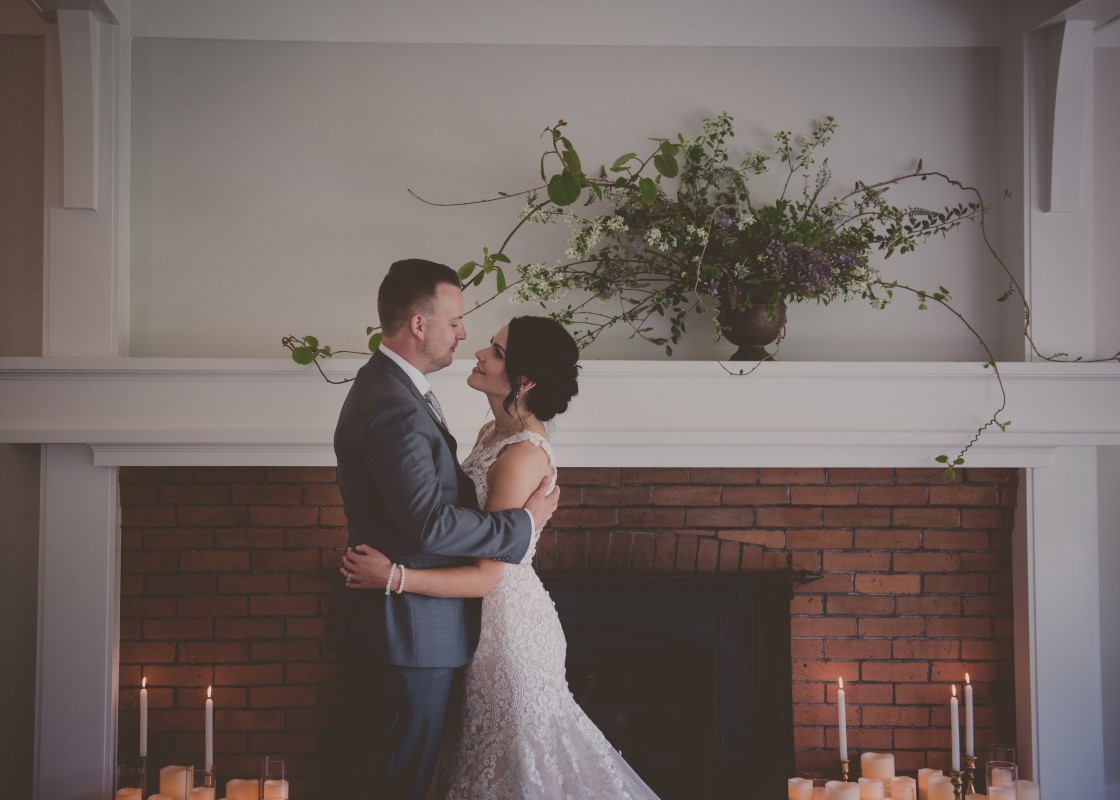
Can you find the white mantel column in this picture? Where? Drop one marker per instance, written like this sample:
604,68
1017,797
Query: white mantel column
1046,80
79,556
1057,628
84,314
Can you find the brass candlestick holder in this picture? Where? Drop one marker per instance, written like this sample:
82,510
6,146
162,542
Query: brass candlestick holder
143,776
208,778
844,770
969,775
955,777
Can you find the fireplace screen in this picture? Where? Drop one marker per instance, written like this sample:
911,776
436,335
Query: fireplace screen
688,676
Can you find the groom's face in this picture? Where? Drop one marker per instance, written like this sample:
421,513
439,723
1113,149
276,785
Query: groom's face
443,327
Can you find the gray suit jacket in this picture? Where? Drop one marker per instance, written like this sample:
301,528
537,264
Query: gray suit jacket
405,494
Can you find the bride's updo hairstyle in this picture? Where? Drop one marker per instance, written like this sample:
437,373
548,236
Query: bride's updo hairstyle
541,351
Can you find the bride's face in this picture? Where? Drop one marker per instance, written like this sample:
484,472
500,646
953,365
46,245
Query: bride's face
489,374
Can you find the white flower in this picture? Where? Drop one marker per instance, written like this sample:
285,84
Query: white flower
540,283
746,219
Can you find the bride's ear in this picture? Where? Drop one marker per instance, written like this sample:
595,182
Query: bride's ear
526,385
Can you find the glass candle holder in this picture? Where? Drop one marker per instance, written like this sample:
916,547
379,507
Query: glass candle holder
274,780
1002,777
129,783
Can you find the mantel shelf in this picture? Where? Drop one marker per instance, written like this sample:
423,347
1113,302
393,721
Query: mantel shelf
628,413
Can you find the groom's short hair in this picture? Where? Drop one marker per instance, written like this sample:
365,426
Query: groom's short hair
410,288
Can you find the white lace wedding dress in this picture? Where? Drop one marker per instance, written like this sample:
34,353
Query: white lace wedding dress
521,734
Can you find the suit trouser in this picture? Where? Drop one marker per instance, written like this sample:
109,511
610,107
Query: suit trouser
390,721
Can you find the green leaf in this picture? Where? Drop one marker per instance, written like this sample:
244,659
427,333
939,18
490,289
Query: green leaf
958,461
620,162
501,279
369,330
303,355
950,473
648,190
375,342
500,258
464,271
942,459
666,165
563,188
311,341
571,159
478,279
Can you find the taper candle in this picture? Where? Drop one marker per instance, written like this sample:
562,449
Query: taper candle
969,739
143,718
843,722
955,729
209,729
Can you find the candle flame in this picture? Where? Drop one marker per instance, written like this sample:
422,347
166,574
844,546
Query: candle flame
954,690
967,679
143,683
841,683
208,690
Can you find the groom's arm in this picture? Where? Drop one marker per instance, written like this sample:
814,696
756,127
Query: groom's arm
399,448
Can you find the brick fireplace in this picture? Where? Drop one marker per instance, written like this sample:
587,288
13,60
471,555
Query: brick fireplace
224,572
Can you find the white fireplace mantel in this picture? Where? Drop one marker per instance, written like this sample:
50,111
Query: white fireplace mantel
93,415
158,411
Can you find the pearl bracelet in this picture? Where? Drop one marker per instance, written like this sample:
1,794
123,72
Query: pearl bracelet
400,589
389,583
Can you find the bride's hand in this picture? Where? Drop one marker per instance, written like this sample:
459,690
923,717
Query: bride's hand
363,567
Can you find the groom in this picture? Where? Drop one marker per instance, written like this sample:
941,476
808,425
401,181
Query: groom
405,494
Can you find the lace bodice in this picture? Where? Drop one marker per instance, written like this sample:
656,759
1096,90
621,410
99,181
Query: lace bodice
519,734
477,466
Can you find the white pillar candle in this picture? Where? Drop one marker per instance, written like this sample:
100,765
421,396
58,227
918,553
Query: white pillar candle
900,784
969,739
904,791
800,789
841,790
955,730
924,775
871,789
209,761
201,793
877,765
276,790
160,796
843,722
1002,793
1001,777
243,789
143,718
1026,790
174,781
129,794
939,787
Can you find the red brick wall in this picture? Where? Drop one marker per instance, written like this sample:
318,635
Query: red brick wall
224,574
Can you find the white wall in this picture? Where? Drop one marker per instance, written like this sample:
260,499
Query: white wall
1106,242
1106,190
270,179
22,50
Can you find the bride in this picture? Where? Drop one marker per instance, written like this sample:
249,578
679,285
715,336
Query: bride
519,732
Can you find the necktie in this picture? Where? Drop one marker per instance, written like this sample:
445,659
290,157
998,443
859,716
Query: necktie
431,398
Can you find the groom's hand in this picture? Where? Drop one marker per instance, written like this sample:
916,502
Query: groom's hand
542,503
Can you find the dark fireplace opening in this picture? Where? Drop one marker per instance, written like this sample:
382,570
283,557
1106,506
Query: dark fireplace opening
689,676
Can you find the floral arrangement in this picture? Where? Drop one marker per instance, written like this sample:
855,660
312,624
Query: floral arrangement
678,233
704,244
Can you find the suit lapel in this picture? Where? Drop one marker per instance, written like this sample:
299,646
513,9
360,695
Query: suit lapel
381,361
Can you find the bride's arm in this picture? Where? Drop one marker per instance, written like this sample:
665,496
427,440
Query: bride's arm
518,471
370,570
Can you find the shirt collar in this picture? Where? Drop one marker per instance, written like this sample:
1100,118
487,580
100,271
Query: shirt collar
416,376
